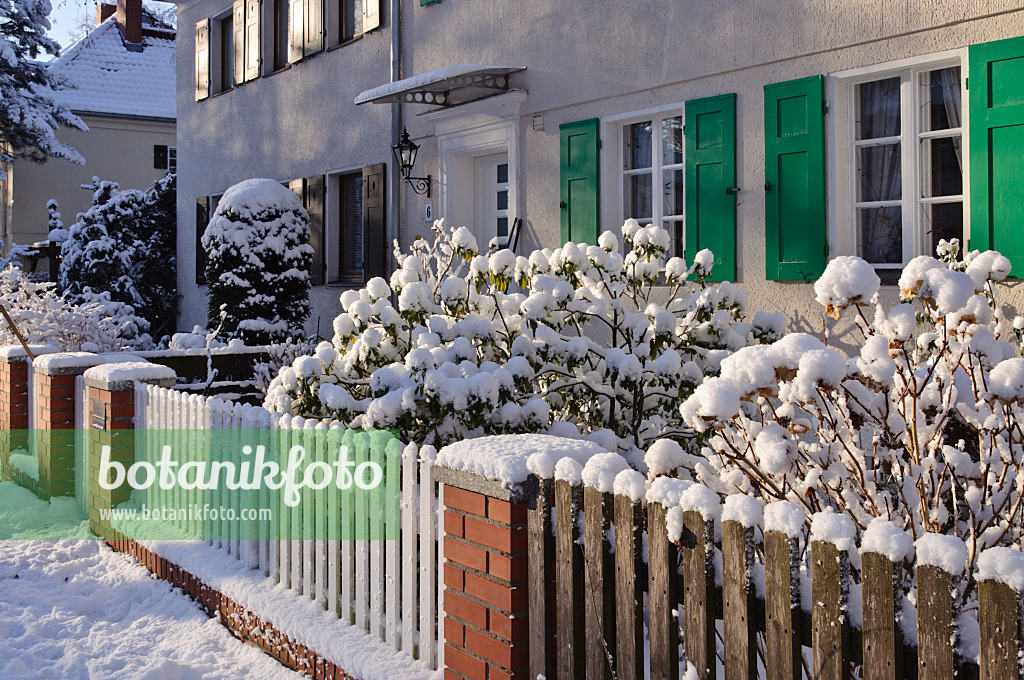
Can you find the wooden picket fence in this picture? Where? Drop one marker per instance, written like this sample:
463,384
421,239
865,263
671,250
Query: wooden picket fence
587,602
387,587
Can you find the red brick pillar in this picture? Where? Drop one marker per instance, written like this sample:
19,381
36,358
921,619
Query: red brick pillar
110,419
486,625
55,408
13,407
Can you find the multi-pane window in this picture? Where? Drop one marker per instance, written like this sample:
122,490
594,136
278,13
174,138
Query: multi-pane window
172,159
653,174
908,155
226,55
350,229
350,19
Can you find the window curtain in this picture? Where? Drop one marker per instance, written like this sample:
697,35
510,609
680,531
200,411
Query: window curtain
949,78
881,177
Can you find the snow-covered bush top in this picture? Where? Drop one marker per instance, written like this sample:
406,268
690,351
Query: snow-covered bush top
258,262
921,426
461,344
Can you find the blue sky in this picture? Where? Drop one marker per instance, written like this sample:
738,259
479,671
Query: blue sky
66,14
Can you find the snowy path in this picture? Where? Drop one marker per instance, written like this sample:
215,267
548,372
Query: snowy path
75,609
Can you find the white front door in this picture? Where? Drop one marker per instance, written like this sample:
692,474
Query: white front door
491,215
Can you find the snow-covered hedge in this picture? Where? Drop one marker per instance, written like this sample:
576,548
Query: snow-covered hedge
921,426
258,262
492,344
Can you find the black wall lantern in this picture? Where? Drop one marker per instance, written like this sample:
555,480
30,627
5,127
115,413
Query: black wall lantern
405,157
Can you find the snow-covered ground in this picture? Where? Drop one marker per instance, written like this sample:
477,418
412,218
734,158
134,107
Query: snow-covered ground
75,609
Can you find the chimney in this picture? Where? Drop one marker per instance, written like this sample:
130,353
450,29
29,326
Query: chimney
103,12
129,20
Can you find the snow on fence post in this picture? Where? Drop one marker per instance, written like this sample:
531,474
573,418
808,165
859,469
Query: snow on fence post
56,418
941,561
1000,586
783,524
541,560
701,508
739,605
883,547
832,538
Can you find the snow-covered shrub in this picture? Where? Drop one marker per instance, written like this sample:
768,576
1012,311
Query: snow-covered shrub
258,261
42,315
54,224
462,344
121,250
280,354
921,426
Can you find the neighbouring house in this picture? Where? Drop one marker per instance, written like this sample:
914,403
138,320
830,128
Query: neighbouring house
123,72
776,134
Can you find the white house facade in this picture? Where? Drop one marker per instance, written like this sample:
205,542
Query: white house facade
777,134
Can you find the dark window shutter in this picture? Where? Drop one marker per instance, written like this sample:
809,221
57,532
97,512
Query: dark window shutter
252,39
795,222
580,176
159,157
313,13
315,208
427,2
711,169
295,25
202,59
238,42
996,100
202,219
374,240
371,15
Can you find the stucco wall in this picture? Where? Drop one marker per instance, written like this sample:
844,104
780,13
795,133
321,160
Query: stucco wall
585,61
116,149
299,122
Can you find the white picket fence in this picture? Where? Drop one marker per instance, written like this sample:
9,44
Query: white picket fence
390,588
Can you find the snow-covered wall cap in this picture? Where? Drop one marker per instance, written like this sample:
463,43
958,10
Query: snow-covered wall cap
15,354
629,483
599,472
835,528
502,458
699,498
1005,565
667,491
569,470
663,457
785,517
744,509
67,363
886,539
948,553
118,377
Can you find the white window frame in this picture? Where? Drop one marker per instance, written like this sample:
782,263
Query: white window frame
613,206
842,181
172,159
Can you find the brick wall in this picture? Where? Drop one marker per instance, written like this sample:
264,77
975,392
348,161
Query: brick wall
55,406
13,407
110,422
486,625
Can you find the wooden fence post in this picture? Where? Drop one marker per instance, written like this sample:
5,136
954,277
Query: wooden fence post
938,557
830,587
663,570
739,604
999,614
699,593
783,650
541,541
569,577
882,601
598,584
629,661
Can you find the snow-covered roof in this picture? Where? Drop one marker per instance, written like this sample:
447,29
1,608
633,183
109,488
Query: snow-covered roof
113,79
433,86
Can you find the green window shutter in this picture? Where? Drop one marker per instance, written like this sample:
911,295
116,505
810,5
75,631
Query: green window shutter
794,172
710,170
996,100
427,2
580,174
